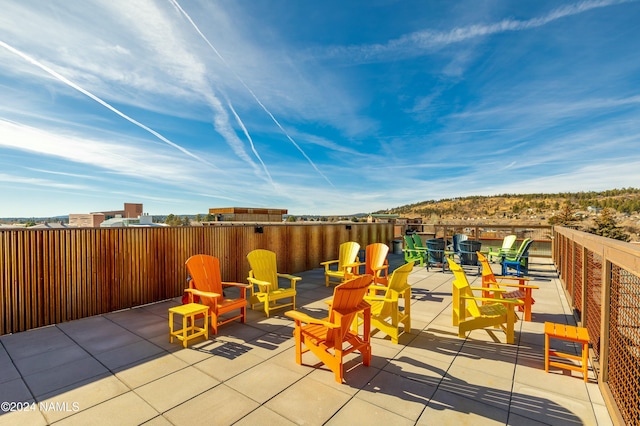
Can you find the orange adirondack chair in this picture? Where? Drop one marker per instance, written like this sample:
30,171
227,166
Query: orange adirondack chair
469,315
206,283
264,276
332,338
523,292
343,265
375,264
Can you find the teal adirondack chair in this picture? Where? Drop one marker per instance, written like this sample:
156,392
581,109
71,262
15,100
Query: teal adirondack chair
437,253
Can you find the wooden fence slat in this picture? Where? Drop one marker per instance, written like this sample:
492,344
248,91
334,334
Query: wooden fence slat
49,276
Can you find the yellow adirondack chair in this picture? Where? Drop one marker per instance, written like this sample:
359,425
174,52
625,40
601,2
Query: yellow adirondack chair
375,264
523,292
388,312
507,247
332,338
344,264
206,283
468,315
264,280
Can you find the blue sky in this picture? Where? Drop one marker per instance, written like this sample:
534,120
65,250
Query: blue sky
328,107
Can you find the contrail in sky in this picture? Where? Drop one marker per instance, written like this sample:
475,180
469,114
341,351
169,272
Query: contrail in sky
246,132
175,3
101,102
419,42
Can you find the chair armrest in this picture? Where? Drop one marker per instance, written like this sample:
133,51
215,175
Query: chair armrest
516,285
259,283
197,292
491,299
375,298
508,277
304,318
329,262
231,284
289,277
375,288
380,268
494,290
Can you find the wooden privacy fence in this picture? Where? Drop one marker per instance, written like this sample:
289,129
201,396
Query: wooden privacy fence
601,278
48,276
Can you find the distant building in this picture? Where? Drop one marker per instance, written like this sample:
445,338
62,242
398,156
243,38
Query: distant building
383,218
86,220
50,225
592,209
95,219
119,222
246,214
131,211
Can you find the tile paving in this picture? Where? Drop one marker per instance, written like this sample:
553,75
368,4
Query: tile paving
119,368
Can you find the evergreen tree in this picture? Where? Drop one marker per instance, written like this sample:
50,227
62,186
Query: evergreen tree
606,226
565,217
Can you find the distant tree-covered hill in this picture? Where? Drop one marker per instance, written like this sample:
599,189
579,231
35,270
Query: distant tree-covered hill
626,200
532,208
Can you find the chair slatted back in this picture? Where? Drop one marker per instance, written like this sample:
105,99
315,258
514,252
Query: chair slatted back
461,287
508,242
456,240
487,272
348,254
347,298
205,275
264,268
376,256
518,254
398,283
525,250
409,242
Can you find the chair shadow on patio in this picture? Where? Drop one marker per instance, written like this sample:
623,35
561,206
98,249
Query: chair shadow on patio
426,382
427,295
116,361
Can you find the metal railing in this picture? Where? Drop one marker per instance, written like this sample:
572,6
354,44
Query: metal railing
49,276
601,278
491,235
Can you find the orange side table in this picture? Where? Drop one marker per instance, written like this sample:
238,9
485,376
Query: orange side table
571,334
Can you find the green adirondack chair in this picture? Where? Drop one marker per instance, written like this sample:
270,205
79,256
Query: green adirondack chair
411,253
507,247
519,262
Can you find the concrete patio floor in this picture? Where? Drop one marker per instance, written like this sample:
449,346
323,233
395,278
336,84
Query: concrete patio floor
119,368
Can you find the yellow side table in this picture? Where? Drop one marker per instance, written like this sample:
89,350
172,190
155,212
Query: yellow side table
189,312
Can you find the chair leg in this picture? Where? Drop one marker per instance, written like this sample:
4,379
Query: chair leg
298,336
511,319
